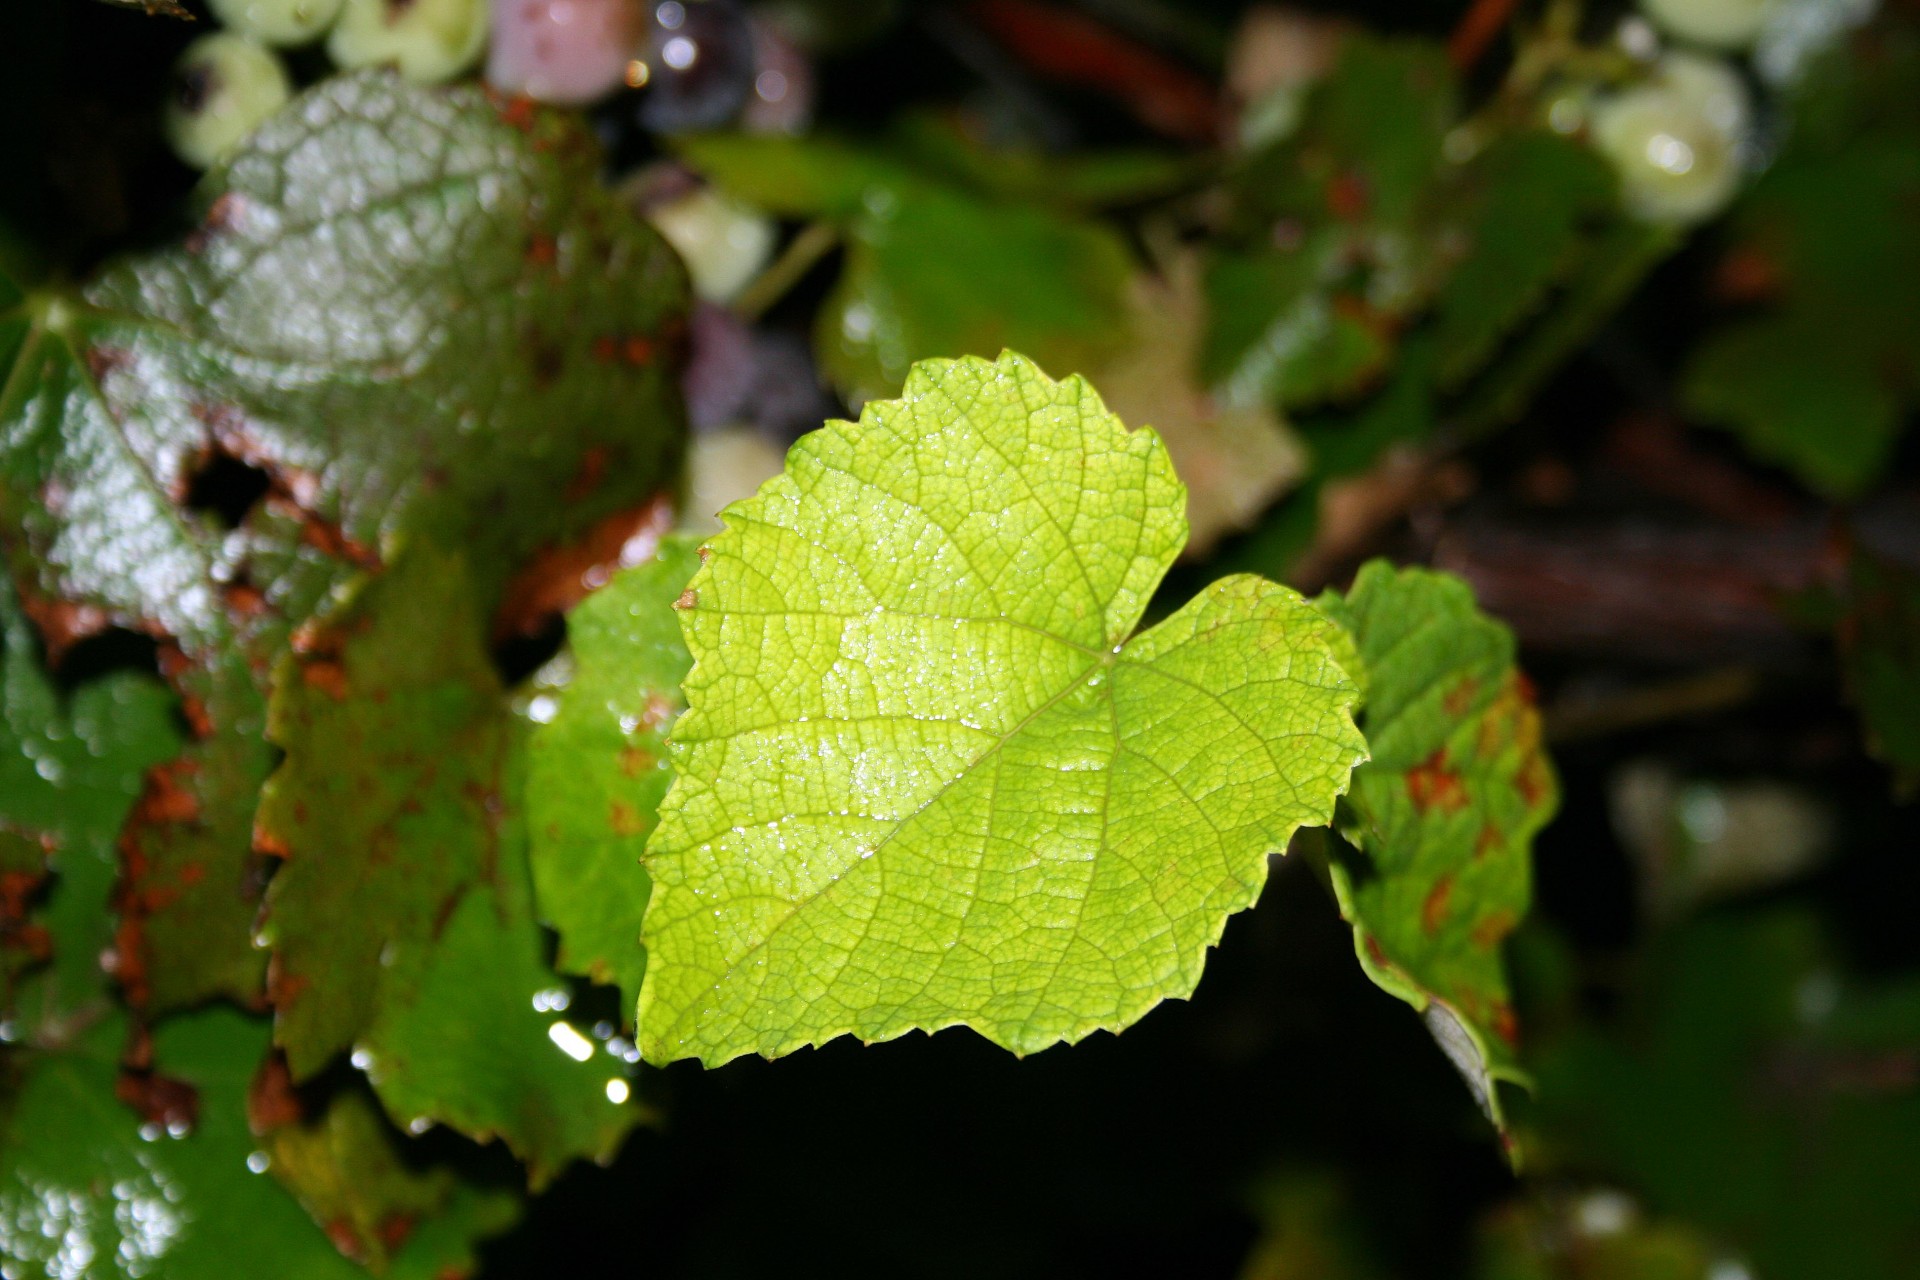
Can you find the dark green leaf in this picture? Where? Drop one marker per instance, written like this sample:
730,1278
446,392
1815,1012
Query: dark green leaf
415,315
70,770
402,923
87,1189
1527,202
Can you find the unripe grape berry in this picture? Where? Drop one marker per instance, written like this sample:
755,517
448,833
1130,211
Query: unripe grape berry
723,242
1724,24
1675,138
279,22
565,51
223,87
428,40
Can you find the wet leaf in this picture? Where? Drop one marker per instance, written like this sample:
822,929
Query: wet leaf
70,771
932,267
83,1192
926,779
402,923
597,768
388,806
348,1170
1444,815
405,312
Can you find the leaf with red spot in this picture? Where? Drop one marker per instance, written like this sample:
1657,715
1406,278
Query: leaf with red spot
384,327
1443,818
401,921
597,767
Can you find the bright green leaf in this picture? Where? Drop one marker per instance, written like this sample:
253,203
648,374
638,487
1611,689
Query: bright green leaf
1445,813
926,779
597,769
415,315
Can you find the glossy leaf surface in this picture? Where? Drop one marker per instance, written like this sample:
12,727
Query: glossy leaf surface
407,313
925,777
597,768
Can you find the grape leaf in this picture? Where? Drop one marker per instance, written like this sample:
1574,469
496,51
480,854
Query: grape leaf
349,1169
924,777
70,770
402,922
1444,814
385,809
83,1192
411,312
1527,203
597,768
932,267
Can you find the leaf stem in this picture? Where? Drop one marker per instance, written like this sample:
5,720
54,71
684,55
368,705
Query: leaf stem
813,243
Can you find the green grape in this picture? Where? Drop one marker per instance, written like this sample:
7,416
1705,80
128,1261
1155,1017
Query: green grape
223,86
1724,24
723,242
1675,138
280,22
428,40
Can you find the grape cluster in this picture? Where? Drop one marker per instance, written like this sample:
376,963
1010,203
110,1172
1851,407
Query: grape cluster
227,82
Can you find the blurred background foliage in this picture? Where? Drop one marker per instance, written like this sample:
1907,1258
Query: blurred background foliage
1608,309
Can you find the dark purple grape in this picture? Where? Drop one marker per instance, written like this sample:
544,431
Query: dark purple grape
699,63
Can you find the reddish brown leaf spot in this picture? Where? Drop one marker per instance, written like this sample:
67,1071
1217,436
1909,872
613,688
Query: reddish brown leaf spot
61,623
605,350
1748,275
1438,905
1348,197
326,675
587,477
637,351
660,709
559,577
542,250
105,361
164,797
394,1230
1505,1024
345,1237
272,1102
634,761
689,599
244,600
172,1104
1431,785
284,988
625,819
192,873
516,112
1459,699
1492,931
1488,841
